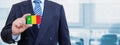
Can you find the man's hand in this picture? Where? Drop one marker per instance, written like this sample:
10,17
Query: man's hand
19,25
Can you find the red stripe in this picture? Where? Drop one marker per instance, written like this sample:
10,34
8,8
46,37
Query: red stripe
38,19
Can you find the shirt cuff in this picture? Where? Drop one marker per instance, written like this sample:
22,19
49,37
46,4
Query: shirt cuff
16,37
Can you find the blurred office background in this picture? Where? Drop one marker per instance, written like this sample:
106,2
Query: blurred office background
91,22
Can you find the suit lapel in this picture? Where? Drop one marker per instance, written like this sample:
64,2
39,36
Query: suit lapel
45,22
26,7
29,8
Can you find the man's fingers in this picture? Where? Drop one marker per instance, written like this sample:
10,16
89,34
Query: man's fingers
23,21
24,16
19,22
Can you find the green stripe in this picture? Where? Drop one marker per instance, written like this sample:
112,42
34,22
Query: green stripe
29,19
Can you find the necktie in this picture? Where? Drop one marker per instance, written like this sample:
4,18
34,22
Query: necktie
37,9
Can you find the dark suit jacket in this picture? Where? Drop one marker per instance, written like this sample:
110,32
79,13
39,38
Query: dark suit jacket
53,28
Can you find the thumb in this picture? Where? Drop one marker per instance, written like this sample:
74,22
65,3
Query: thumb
24,16
28,25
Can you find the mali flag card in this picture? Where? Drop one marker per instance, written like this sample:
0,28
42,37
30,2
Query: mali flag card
33,19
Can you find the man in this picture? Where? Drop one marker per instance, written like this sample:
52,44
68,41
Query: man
51,31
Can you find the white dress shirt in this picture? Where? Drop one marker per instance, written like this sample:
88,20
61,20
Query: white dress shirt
18,37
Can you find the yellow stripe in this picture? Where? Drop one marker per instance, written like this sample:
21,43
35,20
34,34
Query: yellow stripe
33,19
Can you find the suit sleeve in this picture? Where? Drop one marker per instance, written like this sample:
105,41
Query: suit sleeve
64,38
6,33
